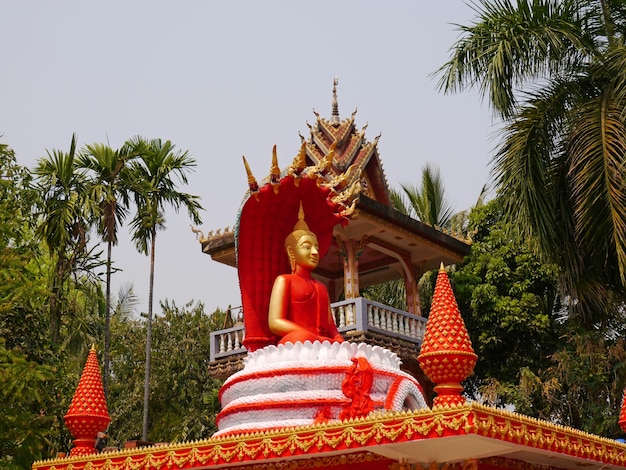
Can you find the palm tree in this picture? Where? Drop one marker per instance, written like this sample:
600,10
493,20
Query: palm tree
65,217
108,189
154,174
555,72
427,202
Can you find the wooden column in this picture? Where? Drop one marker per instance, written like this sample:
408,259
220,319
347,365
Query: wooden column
349,250
411,277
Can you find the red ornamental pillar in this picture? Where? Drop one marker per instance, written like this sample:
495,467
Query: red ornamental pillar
446,356
88,413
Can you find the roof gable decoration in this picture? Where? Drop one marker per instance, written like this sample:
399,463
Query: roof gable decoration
351,149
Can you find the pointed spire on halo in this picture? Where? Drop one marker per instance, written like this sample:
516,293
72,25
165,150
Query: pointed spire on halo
275,172
252,182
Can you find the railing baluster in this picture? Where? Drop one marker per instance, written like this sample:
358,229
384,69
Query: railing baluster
342,316
350,317
401,323
222,345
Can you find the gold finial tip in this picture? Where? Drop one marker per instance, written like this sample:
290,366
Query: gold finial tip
93,346
442,267
300,212
301,223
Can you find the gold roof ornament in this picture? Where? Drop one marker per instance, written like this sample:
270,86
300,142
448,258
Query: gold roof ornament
275,172
298,165
325,165
252,182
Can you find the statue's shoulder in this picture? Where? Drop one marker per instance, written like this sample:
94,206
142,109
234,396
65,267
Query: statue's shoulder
283,279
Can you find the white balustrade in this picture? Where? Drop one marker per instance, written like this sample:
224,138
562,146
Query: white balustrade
354,314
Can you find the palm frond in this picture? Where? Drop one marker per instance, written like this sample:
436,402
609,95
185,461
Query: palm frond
515,43
597,176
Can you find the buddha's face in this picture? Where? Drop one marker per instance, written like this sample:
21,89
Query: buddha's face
306,252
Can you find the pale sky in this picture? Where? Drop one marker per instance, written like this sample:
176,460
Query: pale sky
224,79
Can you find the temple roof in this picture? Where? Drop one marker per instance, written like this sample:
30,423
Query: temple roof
351,148
377,220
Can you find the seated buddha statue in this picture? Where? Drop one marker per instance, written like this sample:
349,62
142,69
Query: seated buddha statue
299,308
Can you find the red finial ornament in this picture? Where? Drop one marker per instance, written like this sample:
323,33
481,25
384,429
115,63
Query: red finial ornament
88,413
446,356
622,415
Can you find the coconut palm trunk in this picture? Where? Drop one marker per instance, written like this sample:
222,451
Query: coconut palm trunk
107,321
154,189
146,386
107,188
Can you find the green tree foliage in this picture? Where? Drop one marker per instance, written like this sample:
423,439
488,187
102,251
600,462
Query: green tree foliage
24,407
532,354
555,72
52,308
23,323
507,297
183,397
23,287
34,391
65,218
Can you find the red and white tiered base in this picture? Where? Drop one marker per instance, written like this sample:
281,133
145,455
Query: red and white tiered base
306,383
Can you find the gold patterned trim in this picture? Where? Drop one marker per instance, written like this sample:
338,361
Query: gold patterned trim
353,436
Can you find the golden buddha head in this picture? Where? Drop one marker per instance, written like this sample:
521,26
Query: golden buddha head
301,245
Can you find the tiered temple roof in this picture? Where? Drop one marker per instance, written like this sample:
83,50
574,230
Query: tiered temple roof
387,230
351,148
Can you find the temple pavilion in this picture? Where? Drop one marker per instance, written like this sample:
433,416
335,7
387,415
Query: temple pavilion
380,244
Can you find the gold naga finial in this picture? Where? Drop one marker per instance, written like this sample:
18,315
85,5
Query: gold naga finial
275,172
298,165
343,180
349,212
326,164
349,195
199,234
252,182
